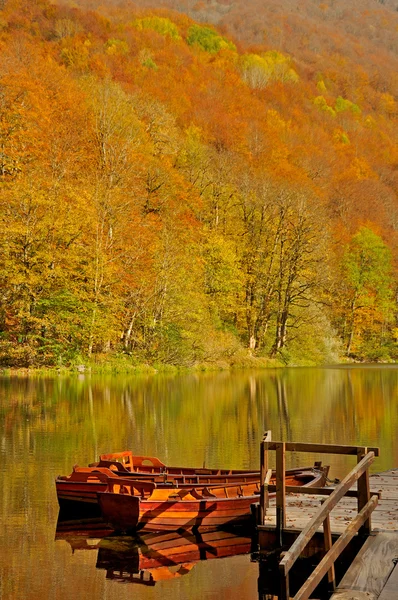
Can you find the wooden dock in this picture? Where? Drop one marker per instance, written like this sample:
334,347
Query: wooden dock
300,509
373,575
301,522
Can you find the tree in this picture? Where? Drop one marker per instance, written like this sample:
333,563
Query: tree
367,284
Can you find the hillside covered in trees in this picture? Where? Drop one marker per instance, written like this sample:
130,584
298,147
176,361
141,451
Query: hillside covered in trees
177,192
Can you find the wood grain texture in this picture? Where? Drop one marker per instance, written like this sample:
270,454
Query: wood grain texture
372,566
353,595
390,590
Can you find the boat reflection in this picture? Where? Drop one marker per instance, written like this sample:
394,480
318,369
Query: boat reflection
151,557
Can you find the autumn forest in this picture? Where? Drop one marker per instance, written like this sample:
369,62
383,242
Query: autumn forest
199,183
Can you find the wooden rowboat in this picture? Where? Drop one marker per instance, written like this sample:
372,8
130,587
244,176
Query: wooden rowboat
129,505
77,492
126,463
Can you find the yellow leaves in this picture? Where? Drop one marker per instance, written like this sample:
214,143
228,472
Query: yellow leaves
276,122
320,102
369,122
115,47
259,70
360,169
194,133
146,59
161,25
67,28
388,105
341,137
75,54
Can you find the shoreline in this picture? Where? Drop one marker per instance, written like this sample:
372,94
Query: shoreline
113,368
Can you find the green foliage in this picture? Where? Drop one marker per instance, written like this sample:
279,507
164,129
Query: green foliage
149,63
368,294
222,275
368,265
342,105
208,39
342,137
161,25
320,102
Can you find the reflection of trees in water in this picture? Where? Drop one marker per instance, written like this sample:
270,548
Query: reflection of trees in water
216,418
285,432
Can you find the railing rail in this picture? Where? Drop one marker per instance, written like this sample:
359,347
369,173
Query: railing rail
317,520
327,563
361,523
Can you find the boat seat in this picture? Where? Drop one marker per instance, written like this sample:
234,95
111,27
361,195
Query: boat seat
162,495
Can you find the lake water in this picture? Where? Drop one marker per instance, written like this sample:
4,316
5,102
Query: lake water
49,424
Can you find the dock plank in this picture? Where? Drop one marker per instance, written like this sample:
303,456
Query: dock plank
300,508
390,590
372,566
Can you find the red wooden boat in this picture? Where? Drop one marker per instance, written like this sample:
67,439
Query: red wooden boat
77,492
129,505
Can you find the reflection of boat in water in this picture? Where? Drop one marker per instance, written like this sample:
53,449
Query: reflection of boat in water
152,557
84,534
169,555
127,506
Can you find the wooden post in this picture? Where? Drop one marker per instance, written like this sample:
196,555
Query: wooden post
263,470
364,493
284,586
263,473
280,490
327,537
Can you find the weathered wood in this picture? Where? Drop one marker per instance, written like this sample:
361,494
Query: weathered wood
373,564
353,595
390,590
325,564
316,491
327,536
263,472
323,448
364,495
308,531
284,588
280,488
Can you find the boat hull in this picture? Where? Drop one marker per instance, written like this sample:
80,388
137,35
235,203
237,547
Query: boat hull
77,493
198,508
127,513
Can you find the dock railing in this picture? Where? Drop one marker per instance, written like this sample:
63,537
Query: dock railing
361,523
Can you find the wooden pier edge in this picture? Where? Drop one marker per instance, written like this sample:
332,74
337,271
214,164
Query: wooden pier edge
373,574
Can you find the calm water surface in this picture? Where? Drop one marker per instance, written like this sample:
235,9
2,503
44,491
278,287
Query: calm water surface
49,424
